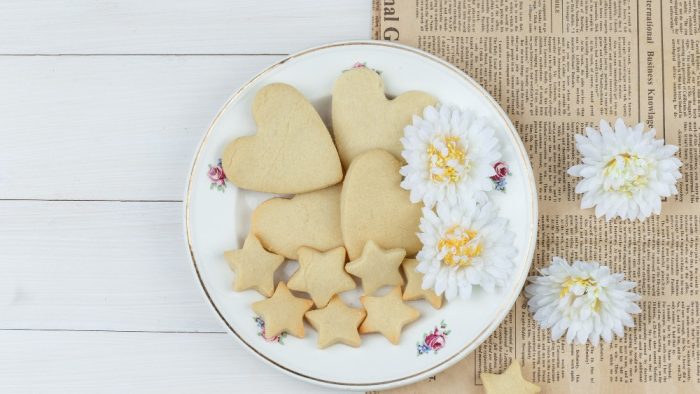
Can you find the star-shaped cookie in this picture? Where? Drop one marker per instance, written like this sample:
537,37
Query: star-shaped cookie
377,267
336,323
254,266
387,315
511,381
321,274
414,285
283,312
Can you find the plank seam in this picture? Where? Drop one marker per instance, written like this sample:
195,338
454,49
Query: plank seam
112,331
83,200
135,54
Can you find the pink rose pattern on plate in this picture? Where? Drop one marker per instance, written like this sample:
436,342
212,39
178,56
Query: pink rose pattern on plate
261,332
217,177
434,340
499,179
360,65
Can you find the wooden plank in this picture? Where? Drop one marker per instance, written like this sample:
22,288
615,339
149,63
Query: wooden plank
117,362
121,127
97,266
185,27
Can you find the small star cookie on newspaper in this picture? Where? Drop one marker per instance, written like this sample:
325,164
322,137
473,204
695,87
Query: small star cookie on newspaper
511,381
377,267
387,315
254,266
414,290
336,323
321,274
283,312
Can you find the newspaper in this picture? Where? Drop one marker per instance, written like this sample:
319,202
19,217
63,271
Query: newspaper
557,66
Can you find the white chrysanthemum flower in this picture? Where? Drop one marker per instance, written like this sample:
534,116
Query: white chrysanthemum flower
449,156
583,300
625,172
464,245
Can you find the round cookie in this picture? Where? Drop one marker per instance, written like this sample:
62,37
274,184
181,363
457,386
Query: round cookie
373,206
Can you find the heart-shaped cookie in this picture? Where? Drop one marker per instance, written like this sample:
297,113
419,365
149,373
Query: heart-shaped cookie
309,219
292,151
373,206
363,117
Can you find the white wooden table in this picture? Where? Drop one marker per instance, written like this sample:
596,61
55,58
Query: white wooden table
102,104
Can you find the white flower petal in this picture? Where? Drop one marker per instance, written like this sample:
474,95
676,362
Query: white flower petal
464,245
625,171
449,156
584,301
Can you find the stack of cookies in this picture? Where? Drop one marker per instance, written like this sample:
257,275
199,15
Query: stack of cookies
349,218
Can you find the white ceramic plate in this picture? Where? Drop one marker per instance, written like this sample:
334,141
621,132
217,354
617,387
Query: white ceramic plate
218,220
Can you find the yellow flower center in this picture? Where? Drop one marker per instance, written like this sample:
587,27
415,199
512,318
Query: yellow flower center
590,287
460,245
448,160
625,173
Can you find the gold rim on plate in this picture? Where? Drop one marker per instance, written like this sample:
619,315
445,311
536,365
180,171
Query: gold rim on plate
503,309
